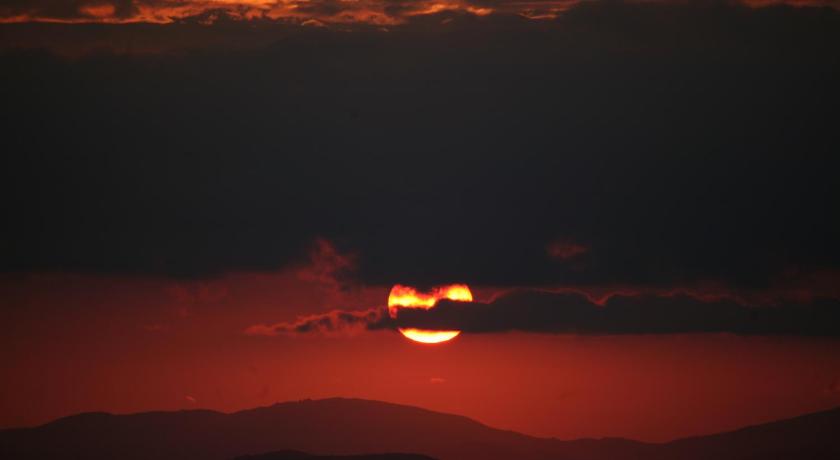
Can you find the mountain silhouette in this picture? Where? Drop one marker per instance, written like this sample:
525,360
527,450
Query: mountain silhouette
296,455
353,426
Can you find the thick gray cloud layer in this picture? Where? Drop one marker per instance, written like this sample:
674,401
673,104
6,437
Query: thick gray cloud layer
667,143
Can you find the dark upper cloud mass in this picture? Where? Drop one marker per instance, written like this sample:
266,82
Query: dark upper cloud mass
657,143
535,311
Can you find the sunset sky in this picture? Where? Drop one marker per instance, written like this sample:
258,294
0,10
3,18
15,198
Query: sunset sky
207,204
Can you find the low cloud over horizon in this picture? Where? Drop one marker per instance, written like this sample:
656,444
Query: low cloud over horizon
569,312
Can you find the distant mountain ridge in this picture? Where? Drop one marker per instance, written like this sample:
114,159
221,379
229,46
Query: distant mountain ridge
295,455
353,426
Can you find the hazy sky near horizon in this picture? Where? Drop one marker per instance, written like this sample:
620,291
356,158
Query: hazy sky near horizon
91,343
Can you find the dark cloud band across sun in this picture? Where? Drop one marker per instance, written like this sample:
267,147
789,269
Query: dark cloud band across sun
529,310
315,12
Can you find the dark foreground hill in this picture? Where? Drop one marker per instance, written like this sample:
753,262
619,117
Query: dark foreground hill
352,426
295,455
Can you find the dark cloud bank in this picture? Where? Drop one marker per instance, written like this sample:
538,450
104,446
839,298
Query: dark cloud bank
534,311
574,313
670,143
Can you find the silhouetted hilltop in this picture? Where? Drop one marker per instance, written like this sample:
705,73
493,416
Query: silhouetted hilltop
295,455
813,436
353,426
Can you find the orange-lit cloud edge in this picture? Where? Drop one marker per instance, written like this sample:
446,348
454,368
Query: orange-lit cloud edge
314,12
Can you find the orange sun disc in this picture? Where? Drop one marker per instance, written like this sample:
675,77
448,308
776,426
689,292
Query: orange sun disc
408,297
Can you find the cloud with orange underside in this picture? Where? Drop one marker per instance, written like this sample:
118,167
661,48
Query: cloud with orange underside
305,12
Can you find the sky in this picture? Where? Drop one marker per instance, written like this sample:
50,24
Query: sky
207,204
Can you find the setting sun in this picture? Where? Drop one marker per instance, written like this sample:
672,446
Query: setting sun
408,297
